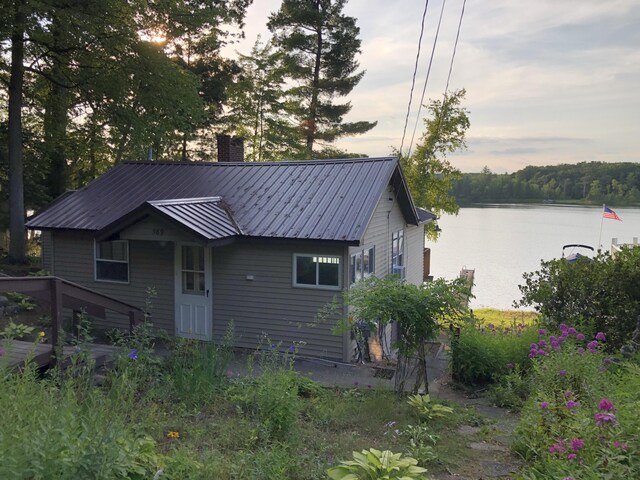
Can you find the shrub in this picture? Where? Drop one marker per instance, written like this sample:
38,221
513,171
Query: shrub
373,464
581,420
599,294
426,409
483,354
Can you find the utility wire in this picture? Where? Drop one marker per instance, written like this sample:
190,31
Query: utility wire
426,80
415,70
455,47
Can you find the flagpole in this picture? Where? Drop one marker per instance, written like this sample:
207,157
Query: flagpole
601,222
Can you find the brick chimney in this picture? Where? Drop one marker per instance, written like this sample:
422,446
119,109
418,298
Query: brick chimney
230,149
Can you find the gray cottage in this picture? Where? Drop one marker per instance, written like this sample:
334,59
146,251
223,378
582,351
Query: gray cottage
264,245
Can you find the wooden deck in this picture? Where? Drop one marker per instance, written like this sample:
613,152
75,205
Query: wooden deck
16,353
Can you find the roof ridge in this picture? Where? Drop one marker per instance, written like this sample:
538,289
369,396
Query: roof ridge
320,161
185,201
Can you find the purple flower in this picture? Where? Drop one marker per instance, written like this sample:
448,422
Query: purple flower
568,393
542,332
592,346
562,373
600,336
510,366
577,444
553,339
555,345
580,350
620,445
133,354
571,457
542,343
534,346
292,348
607,361
571,404
606,404
604,418
568,478
571,331
544,405
580,336
557,447
563,327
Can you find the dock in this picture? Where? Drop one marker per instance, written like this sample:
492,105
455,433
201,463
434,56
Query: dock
16,352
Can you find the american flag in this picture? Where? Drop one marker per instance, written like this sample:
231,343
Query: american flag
608,213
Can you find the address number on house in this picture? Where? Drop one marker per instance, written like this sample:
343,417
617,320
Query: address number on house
158,232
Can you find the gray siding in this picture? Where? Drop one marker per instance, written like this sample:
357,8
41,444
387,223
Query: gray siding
269,304
386,219
46,244
414,250
150,266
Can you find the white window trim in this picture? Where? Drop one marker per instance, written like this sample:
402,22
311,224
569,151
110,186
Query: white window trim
96,260
316,286
402,253
372,261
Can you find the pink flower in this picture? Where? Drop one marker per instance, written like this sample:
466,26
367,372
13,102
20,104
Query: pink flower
576,444
606,404
571,404
600,336
568,478
571,457
604,418
620,445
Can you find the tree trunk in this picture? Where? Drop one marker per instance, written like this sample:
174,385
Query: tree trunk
55,133
16,179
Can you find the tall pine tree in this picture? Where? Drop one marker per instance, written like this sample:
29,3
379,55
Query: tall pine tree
319,44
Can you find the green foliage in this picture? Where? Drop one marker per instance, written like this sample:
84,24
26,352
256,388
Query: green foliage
599,294
429,174
581,419
373,464
197,370
259,109
421,443
420,310
585,182
483,354
319,45
512,389
16,330
24,301
426,409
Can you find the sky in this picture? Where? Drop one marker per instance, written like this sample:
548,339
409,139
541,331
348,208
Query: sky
547,81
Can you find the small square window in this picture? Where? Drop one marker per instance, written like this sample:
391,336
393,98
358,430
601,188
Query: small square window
112,261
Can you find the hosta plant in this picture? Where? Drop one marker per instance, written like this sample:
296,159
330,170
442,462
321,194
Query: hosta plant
426,409
373,464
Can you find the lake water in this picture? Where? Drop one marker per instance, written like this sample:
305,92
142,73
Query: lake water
501,242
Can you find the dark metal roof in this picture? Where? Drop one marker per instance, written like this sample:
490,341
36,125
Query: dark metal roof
207,217
425,215
319,199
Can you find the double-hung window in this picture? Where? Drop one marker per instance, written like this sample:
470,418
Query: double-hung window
362,264
320,271
112,261
397,253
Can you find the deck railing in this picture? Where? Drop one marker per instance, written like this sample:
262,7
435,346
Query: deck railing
60,293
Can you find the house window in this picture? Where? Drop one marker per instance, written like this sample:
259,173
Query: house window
322,271
397,253
362,264
193,279
112,261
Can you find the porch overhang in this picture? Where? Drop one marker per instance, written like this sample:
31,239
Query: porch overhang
208,220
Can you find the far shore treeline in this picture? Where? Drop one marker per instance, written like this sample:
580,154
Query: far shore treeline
584,183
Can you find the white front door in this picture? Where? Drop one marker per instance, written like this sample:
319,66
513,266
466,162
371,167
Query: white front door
193,296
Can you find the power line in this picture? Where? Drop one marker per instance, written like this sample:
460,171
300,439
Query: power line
426,80
455,47
415,70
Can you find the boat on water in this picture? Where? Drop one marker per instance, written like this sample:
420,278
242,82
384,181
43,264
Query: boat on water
576,251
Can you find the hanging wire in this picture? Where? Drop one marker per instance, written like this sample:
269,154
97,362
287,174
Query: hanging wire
455,47
426,80
415,71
